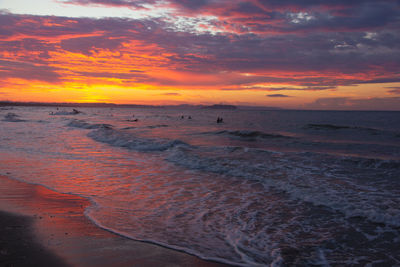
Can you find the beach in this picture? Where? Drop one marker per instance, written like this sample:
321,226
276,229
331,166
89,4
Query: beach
40,227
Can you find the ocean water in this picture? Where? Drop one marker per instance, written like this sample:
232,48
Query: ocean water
263,188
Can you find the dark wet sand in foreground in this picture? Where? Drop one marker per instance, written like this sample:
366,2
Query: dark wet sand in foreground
40,227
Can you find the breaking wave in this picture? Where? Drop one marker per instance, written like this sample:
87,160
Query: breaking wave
347,184
351,187
157,126
334,127
12,117
146,127
63,112
248,134
85,125
125,139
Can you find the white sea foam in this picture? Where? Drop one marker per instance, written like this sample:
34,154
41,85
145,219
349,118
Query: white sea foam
12,117
125,139
305,176
309,177
64,112
85,125
246,134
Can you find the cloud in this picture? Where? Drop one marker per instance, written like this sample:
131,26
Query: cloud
171,94
394,90
346,103
278,95
299,82
116,75
86,45
118,3
275,16
308,88
61,48
28,71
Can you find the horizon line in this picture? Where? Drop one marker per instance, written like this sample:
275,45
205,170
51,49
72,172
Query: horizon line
107,104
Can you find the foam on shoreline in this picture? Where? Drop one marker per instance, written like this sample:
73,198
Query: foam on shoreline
60,226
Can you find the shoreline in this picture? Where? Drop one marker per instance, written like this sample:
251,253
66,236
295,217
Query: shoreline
51,227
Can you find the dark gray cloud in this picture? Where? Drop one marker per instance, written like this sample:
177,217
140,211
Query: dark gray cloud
171,94
87,45
394,90
308,88
346,103
28,71
281,16
342,52
125,3
132,76
278,95
334,58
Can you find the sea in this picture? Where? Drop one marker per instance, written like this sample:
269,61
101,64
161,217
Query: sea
261,188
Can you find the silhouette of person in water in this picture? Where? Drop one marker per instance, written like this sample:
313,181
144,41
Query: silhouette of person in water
220,120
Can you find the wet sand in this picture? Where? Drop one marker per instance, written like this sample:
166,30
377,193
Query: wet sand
40,227
18,247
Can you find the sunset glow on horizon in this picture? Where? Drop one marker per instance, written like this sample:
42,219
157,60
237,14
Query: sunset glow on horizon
289,54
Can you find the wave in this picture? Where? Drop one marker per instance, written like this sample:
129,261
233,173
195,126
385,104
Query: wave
146,127
12,117
42,121
63,112
369,163
125,139
157,126
89,213
334,127
248,134
357,187
85,125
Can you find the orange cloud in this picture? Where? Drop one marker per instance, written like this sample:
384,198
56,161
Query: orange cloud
115,59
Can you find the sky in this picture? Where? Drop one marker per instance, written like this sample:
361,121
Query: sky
302,54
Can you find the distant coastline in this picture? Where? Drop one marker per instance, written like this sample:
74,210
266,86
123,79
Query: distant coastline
112,105
66,104
221,107
181,106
